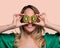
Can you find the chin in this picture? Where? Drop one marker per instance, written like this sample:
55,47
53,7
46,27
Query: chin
30,30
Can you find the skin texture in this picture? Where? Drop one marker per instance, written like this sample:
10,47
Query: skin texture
43,22
28,42
29,27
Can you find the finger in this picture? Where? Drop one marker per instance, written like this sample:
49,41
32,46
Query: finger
22,15
37,15
19,15
40,24
14,17
43,15
40,18
36,23
24,23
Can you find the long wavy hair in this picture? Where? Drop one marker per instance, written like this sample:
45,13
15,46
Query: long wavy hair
36,35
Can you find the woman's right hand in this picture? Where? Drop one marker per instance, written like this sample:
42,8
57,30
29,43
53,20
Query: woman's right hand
16,20
16,23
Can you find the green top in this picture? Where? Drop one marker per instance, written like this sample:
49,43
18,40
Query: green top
7,40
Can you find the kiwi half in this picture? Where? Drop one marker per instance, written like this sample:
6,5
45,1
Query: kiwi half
34,18
25,18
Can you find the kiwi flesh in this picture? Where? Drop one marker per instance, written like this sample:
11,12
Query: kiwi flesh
34,18
25,18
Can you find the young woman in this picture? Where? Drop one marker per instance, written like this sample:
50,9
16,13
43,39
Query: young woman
31,24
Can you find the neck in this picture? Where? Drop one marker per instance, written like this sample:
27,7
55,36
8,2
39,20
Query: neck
27,34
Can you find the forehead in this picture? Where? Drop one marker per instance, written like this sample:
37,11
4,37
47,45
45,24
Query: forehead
29,12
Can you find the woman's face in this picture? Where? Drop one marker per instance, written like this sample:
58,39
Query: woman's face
30,27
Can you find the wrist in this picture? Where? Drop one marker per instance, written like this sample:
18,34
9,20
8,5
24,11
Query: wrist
47,24
13,25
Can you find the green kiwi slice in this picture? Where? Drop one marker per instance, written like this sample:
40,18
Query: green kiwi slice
25,18
34,18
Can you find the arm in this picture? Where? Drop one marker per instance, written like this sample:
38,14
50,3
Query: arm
15,24
45,23
53,27
49,24
6,27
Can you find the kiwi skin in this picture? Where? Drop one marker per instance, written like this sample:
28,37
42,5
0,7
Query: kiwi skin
25,18
34,18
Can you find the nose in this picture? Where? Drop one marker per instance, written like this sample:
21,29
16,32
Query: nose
30,20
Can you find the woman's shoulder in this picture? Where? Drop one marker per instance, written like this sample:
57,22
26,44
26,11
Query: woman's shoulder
4,36
52,40
7,40
51,36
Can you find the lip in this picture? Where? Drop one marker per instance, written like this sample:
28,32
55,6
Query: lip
29,26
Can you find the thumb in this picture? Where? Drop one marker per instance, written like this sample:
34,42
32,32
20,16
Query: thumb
24,23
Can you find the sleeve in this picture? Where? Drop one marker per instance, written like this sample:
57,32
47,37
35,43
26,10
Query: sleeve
52,40
6,40
58,40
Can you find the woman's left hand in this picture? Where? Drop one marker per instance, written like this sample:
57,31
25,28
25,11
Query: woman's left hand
43,20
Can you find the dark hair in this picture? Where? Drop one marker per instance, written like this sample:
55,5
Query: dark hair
36,11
